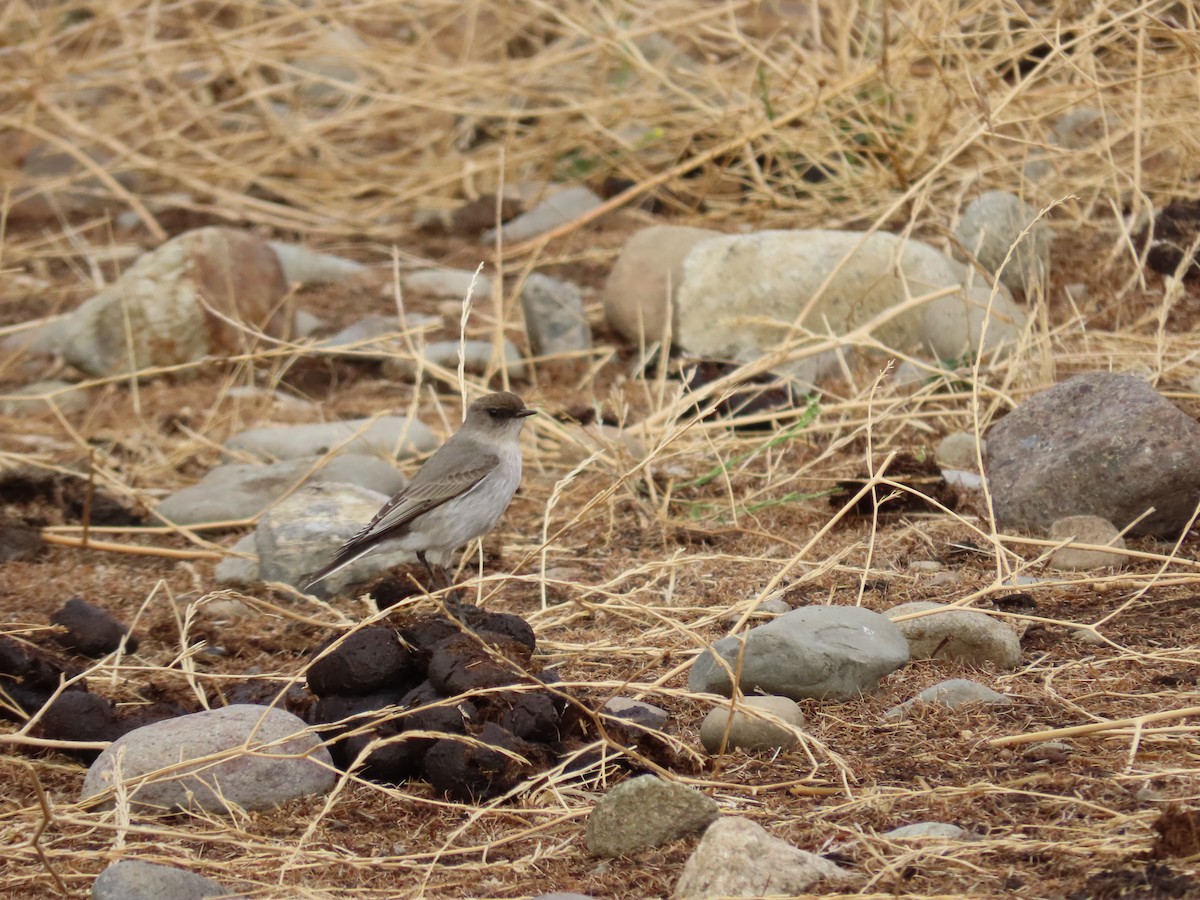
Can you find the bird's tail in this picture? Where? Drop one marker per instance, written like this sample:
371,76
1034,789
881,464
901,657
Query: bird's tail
346,555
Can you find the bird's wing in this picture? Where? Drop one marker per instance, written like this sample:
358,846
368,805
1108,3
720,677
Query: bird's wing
440,480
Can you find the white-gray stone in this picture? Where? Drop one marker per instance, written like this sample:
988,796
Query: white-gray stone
646,812
44,338
957,450
834,652
952,693
386,436
741,728
739,858
927,830
966,635
214,761
375,336
239,570
1087,530
557,209
554,318
302,265
242,491
478,357
450,284
992,224
131,879
301,533
741,295
41,397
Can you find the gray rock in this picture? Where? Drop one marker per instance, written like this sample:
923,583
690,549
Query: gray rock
559,895
927,830
646,812
992,224
240,570
1048,751
966,635
952,693
207,766
557,209
638,711
554,316
298,536
157,313
374,337
44,338
42,396
968,481
1098,444
302,265
242,491
741,295
957,451
130,879
1087,530
644,278
739,858
477,359
751,732
833,652
385,436
449,284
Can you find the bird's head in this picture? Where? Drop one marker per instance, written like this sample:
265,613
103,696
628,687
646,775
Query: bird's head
502,413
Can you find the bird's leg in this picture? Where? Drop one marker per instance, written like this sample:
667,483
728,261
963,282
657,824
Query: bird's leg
441,579
421,558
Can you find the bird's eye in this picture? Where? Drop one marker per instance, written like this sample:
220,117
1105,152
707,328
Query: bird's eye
494,412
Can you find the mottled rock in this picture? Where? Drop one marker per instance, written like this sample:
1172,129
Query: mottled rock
831,652
927,830
749,731
159,313
992,224
966,635
130,879
1098,444
739,858
1087,530
206,763
646,812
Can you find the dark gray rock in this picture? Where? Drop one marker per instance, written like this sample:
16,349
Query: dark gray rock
834,652
205,766
131,879
1099,444
637,711
646,812
242,490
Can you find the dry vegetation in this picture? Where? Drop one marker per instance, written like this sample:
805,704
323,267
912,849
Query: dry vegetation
626,563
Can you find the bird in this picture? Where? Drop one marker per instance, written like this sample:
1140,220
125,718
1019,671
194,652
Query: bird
457,495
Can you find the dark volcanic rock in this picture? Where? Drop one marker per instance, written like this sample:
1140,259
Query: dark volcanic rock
1099,444
91,630
467,771
362,663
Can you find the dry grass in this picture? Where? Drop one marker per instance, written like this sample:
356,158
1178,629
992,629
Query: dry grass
627,561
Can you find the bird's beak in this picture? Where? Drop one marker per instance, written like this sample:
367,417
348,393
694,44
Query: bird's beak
525,412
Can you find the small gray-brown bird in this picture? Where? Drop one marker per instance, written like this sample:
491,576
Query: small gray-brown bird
457,495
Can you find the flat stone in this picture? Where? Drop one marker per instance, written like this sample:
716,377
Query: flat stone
1098,444
131,879
739,858
557,209
952,693
478,358
303,265
831,652
243,491
646,812
749,732
966,635
637,711
927,830
386,436
375,337
1087,530
41,397
450,284
296,765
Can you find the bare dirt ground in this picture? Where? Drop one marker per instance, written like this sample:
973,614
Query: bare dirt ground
627,566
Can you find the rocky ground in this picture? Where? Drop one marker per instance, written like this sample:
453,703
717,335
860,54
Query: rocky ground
930,504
